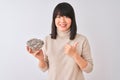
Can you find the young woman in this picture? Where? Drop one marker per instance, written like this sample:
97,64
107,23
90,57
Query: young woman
65,54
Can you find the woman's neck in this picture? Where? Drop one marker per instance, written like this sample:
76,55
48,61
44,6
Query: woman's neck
63,34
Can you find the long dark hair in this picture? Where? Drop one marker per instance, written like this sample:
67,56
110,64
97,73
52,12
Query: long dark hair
64,9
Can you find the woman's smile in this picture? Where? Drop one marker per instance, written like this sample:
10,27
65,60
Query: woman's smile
63,23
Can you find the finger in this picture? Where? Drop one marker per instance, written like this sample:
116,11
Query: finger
31,51
27,48
75,44
36,53
68,46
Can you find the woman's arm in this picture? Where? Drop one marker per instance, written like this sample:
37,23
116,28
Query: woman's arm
80,61
84,60
43,63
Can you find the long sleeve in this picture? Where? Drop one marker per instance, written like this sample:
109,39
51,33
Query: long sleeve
86,54
44,48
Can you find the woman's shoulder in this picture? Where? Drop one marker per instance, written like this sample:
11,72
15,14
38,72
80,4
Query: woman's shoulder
81,36
47,37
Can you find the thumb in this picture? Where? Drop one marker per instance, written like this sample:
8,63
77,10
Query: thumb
75,44
36,53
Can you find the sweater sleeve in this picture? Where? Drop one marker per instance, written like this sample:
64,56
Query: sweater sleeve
44,49
86,54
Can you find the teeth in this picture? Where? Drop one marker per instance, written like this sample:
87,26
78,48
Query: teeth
63,25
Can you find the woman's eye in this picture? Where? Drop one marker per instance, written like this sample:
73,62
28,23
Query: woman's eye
67,17
58,16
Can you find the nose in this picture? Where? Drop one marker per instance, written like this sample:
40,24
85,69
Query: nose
62,19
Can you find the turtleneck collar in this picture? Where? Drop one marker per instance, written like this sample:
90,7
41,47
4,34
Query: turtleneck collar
63,34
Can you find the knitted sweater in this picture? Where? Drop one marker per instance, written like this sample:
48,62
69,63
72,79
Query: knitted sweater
61,66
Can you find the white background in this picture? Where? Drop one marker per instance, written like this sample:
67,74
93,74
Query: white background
21,20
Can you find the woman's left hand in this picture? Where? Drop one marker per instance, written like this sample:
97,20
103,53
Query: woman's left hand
71,50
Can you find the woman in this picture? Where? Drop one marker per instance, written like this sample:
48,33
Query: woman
65,54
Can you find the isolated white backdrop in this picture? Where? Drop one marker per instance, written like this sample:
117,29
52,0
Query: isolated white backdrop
21,20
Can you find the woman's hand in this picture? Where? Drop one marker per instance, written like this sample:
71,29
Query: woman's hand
38,54
71,49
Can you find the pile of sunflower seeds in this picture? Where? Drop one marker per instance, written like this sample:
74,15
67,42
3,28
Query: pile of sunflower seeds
35,44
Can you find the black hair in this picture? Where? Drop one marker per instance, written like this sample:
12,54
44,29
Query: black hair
64,9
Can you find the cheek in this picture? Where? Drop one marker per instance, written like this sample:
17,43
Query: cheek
69,22
56,22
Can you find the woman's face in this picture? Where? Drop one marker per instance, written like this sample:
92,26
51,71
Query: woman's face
63,23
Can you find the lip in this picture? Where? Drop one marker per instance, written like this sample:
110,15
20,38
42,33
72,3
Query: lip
63,25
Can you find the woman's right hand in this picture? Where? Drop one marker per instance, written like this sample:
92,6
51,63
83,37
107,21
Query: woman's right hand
38,54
